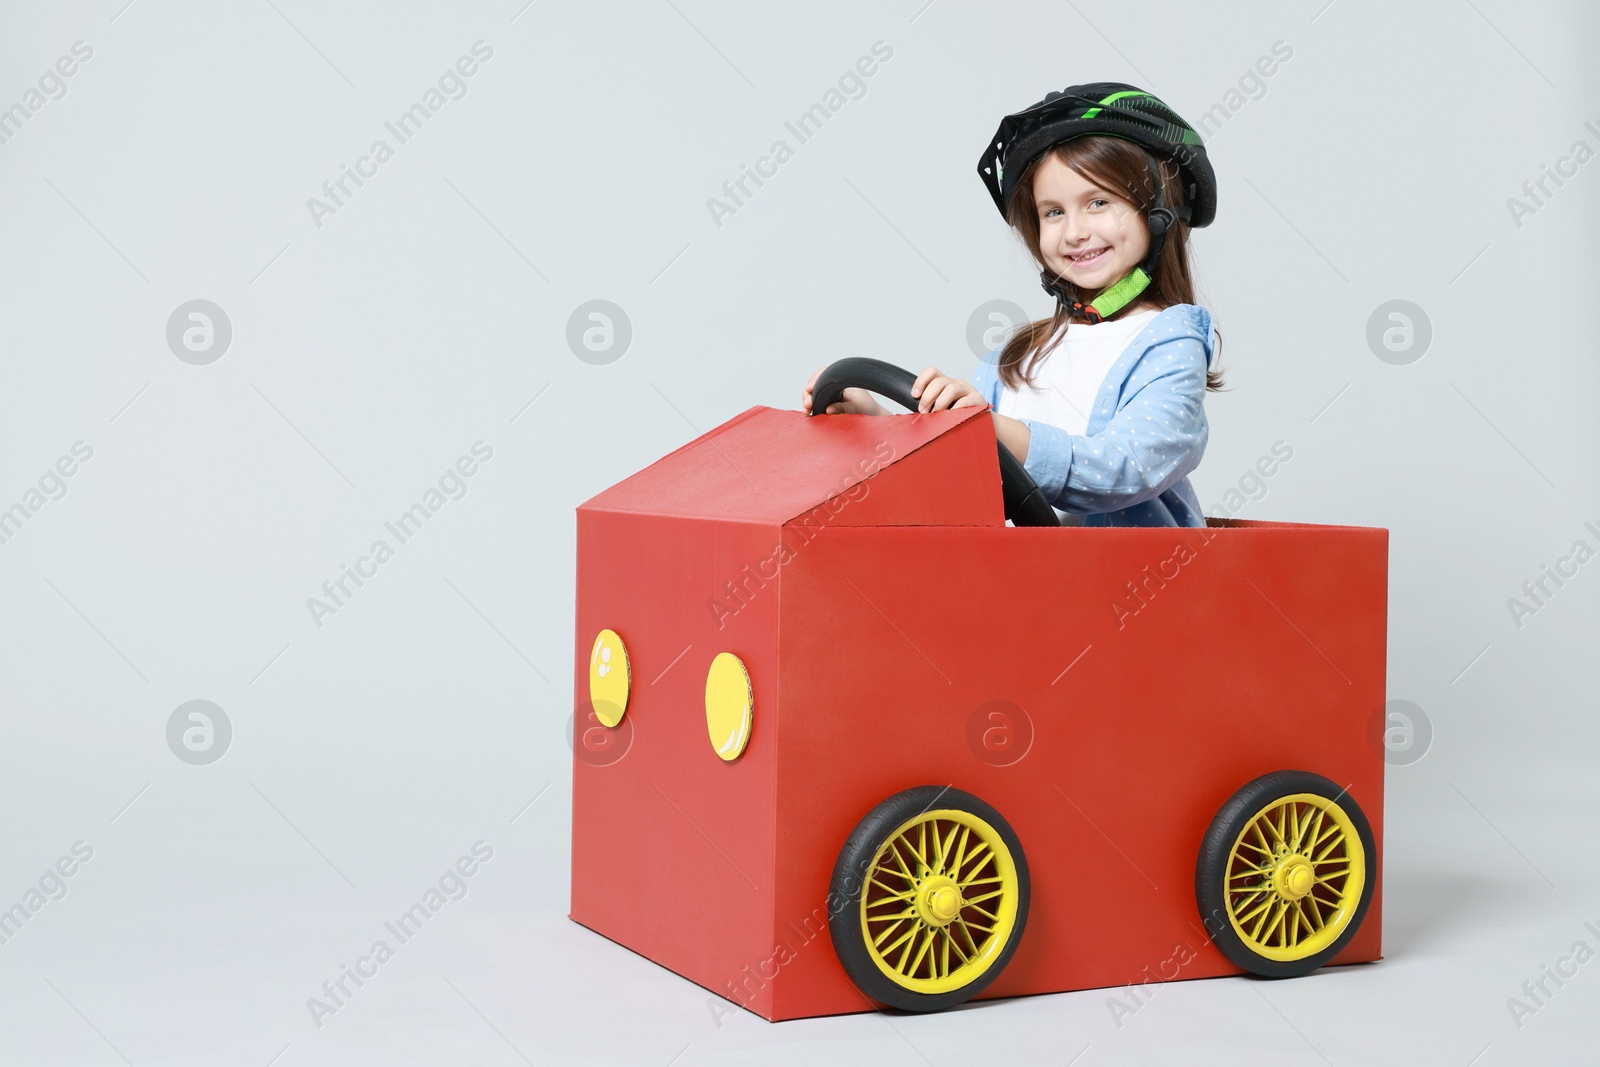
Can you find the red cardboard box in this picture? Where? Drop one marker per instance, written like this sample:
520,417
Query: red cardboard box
861,569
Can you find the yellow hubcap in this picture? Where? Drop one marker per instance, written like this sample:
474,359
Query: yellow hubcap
940,901
1295,876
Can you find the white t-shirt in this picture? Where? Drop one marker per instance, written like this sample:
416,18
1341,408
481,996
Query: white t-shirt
1067,381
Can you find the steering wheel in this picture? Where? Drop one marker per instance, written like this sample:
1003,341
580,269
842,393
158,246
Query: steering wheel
1025,502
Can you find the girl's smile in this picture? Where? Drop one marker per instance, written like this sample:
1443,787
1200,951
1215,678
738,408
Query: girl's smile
1087,234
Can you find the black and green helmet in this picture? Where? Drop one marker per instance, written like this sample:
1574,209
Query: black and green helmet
1108,108
1115,110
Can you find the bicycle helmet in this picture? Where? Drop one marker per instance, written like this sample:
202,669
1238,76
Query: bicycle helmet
1115,110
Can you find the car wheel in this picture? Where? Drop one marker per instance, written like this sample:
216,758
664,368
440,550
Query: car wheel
1285,874
929,898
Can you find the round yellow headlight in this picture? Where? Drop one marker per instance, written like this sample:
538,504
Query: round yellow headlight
609,678
728,705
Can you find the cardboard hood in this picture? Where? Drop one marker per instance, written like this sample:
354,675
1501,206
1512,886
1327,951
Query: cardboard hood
772,466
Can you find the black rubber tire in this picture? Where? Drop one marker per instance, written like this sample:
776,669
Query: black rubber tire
849,879
1024,500
1211,868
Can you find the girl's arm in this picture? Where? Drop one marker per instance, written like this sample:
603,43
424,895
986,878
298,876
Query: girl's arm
1150,444
1154,439
1014,434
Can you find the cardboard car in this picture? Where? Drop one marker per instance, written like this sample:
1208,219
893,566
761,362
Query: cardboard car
846,739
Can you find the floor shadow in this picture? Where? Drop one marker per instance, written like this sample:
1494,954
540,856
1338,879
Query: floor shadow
1423,910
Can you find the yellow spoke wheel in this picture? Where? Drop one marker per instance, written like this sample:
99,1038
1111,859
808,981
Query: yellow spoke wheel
1285,873
929,898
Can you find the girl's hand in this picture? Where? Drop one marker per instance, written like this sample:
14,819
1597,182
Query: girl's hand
853,402
935,391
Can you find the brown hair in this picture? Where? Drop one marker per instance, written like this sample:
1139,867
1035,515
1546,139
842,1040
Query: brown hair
1119,166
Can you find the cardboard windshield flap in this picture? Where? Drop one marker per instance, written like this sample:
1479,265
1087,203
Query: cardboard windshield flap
861,570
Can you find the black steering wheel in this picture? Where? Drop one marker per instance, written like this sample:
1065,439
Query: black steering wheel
1025,502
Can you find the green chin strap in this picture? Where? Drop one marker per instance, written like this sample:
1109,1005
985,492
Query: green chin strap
1113,299
1121,294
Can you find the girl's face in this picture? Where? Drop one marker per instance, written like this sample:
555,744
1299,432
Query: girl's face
1088,235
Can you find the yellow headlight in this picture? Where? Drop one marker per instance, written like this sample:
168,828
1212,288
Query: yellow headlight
609,678
728,705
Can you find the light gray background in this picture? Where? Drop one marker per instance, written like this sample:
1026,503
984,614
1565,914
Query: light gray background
369,353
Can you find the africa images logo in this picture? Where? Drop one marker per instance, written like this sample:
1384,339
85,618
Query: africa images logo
852,85
450,886
52,485
452,85
52,86
409,523
805,528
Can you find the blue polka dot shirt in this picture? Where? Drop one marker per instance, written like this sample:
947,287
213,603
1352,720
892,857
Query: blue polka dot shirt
1146,432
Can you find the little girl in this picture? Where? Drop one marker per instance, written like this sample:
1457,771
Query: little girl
1102,182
